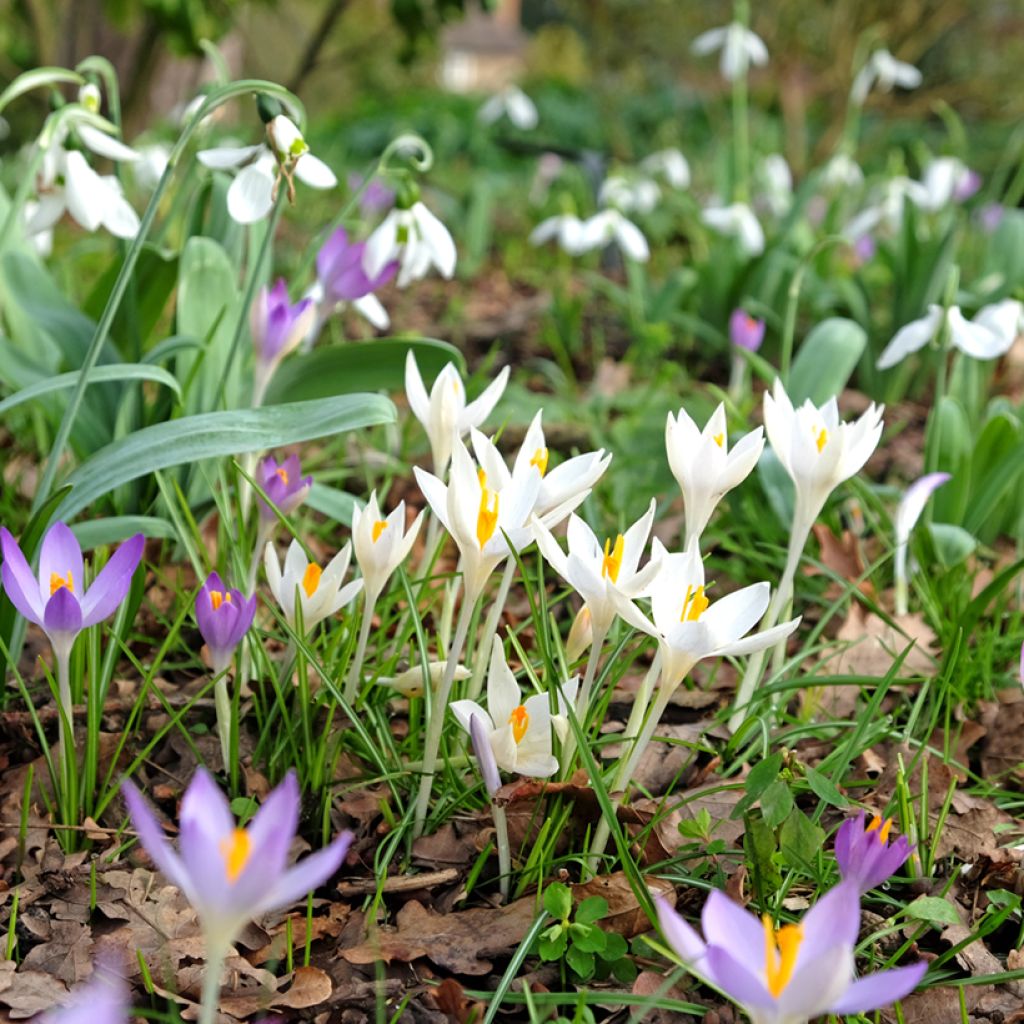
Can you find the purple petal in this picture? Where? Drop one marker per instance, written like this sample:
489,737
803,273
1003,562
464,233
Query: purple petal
745,331
270,835
60,556
151,835
679,934
207,825
103,999
878,990
307,875
727,924
832,921
848,831
737,980
20,581
484,754
109,589
63,613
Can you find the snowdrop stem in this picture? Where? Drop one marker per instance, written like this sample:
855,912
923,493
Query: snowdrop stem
483,651
351,693
215,957
438,705
504,849
583,698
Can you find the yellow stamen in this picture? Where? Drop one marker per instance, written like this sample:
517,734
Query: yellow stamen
311,578
883,828
821,438
520,722
540,460
236,851
486,517
218,597
780,952
718,439
378,528
481,476
695,604
611,564
283,474
57,581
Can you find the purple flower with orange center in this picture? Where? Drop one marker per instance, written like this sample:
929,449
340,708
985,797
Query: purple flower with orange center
791,974
866,857
277,327
284,484
339,269
224,616
745,331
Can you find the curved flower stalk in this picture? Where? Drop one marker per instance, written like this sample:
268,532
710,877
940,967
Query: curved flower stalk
58,601
989,335
320,591
669,164
285,154
865,856
413,237
819,452
910,508
224,616
566,229
737,221
277,327
704,466
739,46
512,103
786,975
883,71
232,875
381,544
103,999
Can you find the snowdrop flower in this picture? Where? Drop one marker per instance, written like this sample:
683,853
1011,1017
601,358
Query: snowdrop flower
688,627
885,71
224,615
988,336
512,103
791,974
746,331
671,165
910,508
478,514
595,571
444,413
817,450
103,999
947,180
277,327
416,239
151,165
320,591
842,172
776,181
865,856
611,226
566,228
232,875
704,467
630,195
740,48
518,732
284,485
285,154
737,221
888,208
381,543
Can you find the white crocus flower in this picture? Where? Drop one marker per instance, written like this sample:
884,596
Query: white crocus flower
688,627
444,413
704,466
599,572
518,731
261,167
671,165
630,195
320,591
737,221
566,228
512,103
381,543
416,239
739,45
910,508
885,71
945,180
988,336
611,226
479,515
817,450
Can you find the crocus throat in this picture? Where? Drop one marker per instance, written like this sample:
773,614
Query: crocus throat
780,953
719,439
820,438
219,597
882,828
378,528
311,578
520,722
694,604
486,517
540,460
236,850
283,474
611,564
57,581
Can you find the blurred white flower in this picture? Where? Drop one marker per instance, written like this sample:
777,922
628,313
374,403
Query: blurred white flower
842,171
910,508
737,221
887,209
946,180
776,184
629,194
151,165
612,226
512,103
740,48
566,229
671,165
885,71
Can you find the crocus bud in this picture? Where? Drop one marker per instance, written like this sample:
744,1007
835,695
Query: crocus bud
484,755
581,635
745,331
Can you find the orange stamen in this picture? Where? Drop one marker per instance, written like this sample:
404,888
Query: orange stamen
695,604
611,564
57,581
520,722
283,474
780,953
486,517
540,460
236,851
311,578
218,597
378,528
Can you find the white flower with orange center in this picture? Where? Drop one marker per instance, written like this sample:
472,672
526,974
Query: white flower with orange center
704,466
320,591
381,543
518,731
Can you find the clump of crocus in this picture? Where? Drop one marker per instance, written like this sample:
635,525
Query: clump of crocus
787,975
224,616
909,511
865,856
320,591
58,601
103,999
230,874
277,326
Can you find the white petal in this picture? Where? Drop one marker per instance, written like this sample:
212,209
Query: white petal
314,172
371,309
250,196
439,239
84,191
105,145
910,338
225,158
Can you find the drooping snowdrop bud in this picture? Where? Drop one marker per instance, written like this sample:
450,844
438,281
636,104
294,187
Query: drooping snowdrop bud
737,221
883,70
907,515
413,237
381,544
739,45
746,331
320,591
865,856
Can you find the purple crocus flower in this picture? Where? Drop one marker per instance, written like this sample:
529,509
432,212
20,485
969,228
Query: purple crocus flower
866,857
103,999
967,186
376,198
232,875
864,249
339,269
793,973
224,617
277,327
284,484
745,331
56,599
484,755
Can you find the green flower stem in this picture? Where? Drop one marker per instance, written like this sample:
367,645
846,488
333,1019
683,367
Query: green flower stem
483,652
504,849
583,699
351,693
